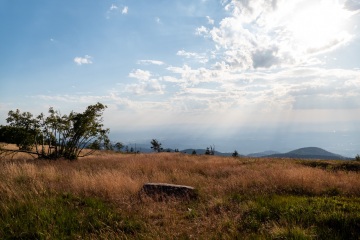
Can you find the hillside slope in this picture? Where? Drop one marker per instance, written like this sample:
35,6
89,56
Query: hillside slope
310,153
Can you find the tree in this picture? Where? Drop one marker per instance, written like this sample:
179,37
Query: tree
118,146
193,152
21,130
210,151
156,145
58,136
95,145
207,151
357,157
235,154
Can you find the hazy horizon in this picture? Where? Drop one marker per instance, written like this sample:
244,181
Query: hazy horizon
246,142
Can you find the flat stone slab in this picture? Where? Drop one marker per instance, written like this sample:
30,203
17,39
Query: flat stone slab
162,191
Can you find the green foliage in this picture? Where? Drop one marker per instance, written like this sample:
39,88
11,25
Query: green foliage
156,145
21,130
332,165
210,150
118,146
297,217
56,135
235,154
63,217
95,145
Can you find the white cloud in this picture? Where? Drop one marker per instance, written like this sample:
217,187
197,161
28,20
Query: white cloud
140,74
146,85
186,54
265,58
170,79
148,62
114,10
83,60
283,89
353,5
210,21
270,34
158,20
151,86
262,64
201,31
125,10
202,58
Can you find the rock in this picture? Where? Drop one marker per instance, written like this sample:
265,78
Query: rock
163,191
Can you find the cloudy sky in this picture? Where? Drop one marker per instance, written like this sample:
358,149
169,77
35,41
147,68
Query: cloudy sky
238,74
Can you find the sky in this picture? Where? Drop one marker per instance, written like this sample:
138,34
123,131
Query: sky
235,74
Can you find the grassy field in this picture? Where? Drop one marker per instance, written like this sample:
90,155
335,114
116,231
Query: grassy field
97,197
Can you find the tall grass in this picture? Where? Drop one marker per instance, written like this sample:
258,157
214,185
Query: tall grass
238,197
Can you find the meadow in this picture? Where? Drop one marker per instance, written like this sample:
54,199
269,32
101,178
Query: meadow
97,197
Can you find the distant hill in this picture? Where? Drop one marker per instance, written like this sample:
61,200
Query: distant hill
262,154
310,153
305,153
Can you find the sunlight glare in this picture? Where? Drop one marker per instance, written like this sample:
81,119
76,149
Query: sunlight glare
318,26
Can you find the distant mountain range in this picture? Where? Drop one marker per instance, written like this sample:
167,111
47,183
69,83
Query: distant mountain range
301,153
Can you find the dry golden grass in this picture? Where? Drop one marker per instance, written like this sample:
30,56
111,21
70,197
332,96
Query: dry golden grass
117,178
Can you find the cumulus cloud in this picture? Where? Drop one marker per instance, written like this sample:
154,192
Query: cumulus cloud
261,61
145,85
284,90
352,5
125,10
140,74
289,33
201,31
264,58
151,86
83,60
170,79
